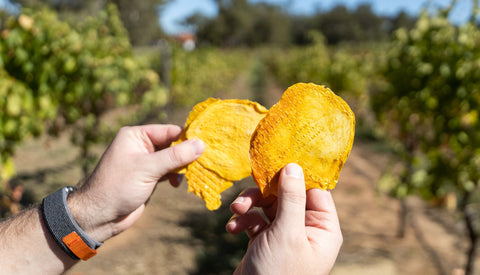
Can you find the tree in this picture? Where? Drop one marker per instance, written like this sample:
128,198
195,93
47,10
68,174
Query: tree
336,25
60,5
140,18
340,24
371,25
240,23
430,111
401,20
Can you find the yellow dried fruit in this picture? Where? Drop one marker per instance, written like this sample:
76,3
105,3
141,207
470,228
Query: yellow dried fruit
206,184
310,126
225,126
196,110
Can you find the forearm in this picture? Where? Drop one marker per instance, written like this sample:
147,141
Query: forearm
26,246
108,203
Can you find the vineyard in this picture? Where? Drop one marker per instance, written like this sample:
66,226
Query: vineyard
66,88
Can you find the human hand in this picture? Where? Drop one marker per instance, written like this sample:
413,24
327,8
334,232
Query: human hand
114,196
302,234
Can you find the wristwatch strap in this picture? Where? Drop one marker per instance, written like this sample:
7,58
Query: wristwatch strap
64,229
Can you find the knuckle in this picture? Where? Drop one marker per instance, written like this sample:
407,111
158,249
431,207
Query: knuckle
125,129
294,197
177,155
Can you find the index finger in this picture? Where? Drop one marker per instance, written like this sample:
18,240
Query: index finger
321,202
252,197
161,135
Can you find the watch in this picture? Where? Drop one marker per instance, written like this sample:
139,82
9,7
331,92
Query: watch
64,229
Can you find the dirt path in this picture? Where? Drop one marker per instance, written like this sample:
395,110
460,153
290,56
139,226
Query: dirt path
160,244
165,239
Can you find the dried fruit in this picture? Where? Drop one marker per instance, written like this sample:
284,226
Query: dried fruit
310,126
225,126
206,184
196,110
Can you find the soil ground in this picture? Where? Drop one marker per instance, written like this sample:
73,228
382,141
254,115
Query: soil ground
165,239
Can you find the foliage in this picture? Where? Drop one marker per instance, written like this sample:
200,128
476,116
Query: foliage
434,97
430,111
341,69
349,70
244,23
57,5
341,24
203,73
20,115
240,23
140,18
54,75
303,64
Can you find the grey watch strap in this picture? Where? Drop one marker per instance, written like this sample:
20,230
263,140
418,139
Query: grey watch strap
60,222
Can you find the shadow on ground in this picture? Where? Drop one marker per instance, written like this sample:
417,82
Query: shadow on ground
221,251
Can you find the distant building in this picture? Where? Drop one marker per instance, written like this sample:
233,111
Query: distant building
188,41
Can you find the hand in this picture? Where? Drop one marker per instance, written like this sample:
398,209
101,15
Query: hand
114,196
302,234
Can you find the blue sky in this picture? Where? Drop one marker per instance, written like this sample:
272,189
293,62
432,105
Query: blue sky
177,10
180,9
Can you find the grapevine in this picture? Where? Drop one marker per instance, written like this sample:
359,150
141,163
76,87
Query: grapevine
430,111
54,75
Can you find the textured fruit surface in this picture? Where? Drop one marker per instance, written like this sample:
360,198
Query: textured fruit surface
196,110
226,127
206,184
310,126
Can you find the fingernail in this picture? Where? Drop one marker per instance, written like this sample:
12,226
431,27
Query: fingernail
232,222
180,177
238,200
254,229
294,170
198,146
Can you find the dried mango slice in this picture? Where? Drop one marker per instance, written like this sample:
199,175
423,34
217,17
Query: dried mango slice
225,126
310,126
196,110
206,184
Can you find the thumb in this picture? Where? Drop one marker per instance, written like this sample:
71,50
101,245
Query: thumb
177,156
291,198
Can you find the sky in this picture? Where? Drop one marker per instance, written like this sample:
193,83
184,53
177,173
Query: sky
177,10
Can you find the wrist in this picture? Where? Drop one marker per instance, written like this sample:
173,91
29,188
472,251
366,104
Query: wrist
89,217
74,241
